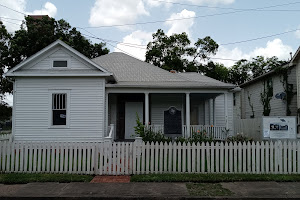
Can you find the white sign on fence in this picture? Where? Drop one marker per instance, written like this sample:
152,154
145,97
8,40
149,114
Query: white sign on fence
279,127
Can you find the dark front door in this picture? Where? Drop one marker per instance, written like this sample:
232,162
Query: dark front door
121,102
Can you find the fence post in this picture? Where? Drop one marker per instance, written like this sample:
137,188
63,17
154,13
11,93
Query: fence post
136,153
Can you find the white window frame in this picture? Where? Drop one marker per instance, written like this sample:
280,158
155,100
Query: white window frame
60,59
59,91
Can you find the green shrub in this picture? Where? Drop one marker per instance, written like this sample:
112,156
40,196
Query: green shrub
239,138
196,137
147,134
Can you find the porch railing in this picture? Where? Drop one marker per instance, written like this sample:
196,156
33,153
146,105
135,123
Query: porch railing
156,128
5,137
215,132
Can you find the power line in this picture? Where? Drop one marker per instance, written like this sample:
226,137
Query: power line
229,59
10,22
11,18
12,9
259,38
185,18
224,44
94,36
229,8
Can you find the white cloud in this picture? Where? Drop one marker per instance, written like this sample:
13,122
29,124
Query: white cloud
105,13
297,34
143,38
156,3
49,9
14,23
18,5
272,48
179,26
139,38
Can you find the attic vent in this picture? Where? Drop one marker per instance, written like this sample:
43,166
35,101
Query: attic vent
60,63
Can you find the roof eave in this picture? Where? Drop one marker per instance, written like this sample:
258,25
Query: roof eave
58,75
167,87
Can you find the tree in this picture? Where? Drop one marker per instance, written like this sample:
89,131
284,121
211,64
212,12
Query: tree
174,52
240,72
39,34
244,70
261,65
4,55
215,70
5,111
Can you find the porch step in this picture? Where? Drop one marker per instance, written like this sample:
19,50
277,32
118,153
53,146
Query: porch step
111,179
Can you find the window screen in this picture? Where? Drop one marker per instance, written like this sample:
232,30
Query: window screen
60,63
59,114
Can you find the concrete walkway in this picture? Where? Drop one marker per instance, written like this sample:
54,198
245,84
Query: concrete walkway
246,190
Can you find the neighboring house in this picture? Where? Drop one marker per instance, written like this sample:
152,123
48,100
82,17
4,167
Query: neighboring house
248,101
59,94
248,107
296,61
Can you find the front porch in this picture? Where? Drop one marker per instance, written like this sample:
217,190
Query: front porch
206,112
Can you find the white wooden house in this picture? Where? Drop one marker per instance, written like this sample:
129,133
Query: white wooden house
61,95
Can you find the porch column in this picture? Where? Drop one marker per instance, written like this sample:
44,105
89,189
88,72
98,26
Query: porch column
187,112
226,109
211,111
146,108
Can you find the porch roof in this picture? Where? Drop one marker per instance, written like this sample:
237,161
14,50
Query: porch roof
131,72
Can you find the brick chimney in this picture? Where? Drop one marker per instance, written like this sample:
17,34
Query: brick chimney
36,17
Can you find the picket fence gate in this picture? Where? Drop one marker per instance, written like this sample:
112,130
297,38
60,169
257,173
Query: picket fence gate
114,158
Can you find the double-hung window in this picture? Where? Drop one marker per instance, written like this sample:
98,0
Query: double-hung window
59,108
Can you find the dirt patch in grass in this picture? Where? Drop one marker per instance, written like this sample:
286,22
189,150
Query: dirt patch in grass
207,189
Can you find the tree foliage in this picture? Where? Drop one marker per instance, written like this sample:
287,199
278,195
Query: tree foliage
215,70
175,52
36,34
172,52
5,111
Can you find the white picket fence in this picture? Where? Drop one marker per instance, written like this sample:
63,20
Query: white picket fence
143,158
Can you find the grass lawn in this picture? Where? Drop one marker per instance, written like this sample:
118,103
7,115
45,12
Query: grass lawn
207,189
16,178
214,178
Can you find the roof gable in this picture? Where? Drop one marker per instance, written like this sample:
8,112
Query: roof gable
41,63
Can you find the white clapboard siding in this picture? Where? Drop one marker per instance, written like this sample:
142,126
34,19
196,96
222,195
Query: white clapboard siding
124,158
33,109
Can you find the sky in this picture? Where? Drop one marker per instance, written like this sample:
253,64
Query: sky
228,22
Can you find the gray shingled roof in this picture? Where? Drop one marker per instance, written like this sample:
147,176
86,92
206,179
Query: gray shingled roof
131,72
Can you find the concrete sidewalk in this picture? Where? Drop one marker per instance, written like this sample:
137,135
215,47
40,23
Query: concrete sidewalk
245,190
